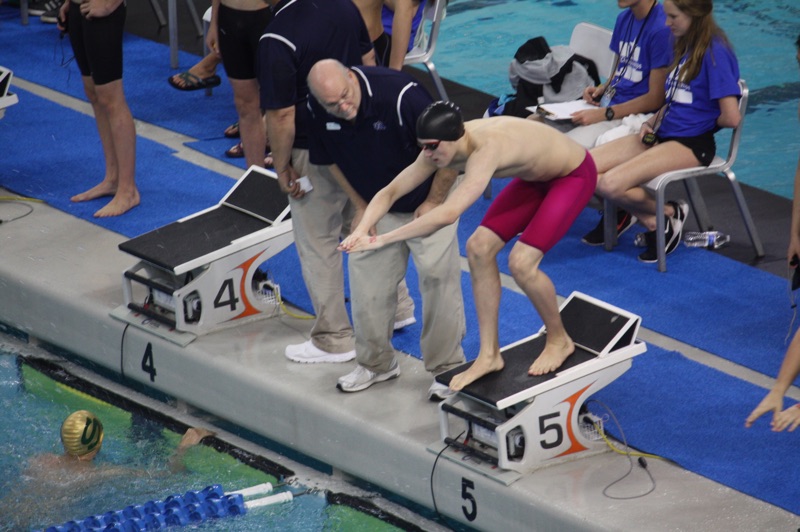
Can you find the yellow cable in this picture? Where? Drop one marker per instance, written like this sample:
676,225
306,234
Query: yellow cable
617,450
20,198
292,314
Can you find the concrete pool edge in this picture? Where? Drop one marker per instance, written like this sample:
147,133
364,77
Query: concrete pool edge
61,277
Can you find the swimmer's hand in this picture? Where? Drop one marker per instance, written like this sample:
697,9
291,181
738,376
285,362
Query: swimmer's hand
773,402
361,242
789,418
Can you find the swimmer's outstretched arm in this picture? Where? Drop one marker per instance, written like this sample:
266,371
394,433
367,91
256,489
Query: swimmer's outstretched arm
406,181
471,188
190,438
773,402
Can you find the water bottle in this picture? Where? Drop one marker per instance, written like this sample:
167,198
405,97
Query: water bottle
706,239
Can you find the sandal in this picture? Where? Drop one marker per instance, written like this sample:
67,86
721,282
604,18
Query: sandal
192,82
235,152
232,131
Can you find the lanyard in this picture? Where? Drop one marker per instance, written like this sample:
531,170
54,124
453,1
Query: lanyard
672,87
618,77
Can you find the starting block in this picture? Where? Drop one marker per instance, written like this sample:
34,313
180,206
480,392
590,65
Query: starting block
510,423
7,98
201,273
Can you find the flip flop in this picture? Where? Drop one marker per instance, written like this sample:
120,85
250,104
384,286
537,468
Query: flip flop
232,131
235,152
193,83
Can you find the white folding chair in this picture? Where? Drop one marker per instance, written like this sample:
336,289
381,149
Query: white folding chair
592,42
422,52
718,166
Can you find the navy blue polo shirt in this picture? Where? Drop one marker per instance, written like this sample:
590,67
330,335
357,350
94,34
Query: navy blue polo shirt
381,141
301,33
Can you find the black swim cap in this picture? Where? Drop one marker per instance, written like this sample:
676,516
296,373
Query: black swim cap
440,121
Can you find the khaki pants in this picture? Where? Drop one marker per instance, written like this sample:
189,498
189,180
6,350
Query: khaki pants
374,276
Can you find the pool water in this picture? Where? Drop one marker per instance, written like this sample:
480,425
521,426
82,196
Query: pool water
34,407
478,39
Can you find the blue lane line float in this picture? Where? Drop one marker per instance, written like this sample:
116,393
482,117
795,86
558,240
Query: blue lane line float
191,507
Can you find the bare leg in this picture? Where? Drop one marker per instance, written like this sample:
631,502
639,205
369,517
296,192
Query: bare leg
524,265
482,249
203,69
118,138
252,129
625,164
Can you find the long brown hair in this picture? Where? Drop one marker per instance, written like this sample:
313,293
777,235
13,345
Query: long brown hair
702,31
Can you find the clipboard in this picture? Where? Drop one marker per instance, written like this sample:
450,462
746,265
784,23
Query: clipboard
561,110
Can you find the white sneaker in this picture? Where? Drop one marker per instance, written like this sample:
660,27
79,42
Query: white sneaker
400,324
439,391
308,353
361,378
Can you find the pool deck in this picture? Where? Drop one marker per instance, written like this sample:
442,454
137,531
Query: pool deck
61,277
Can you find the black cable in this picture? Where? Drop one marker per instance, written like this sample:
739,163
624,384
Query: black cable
30,210
792,302
122,351
641,461
433,469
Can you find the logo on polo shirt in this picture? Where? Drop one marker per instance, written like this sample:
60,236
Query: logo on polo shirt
333,126
379,126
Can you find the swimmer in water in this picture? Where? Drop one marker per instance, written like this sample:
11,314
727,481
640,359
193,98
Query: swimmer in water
554,178
52,482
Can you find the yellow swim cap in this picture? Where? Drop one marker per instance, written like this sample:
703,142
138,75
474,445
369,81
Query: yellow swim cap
81,433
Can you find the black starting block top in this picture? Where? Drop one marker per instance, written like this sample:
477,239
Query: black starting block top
5,81
254,203
596,328
514,378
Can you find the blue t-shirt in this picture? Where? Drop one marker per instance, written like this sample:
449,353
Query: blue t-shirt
693,108
301,33
381,141
387,18
651,43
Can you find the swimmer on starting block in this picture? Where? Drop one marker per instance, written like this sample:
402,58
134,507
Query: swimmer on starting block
554,179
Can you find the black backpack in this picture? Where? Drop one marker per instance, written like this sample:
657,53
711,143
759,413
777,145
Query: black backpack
528,92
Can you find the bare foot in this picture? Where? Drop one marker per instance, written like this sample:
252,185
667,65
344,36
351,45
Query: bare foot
552,357
119,205
482,366
104,188
193,436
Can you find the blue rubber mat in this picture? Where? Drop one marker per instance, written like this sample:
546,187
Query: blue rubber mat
694,415
55,153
